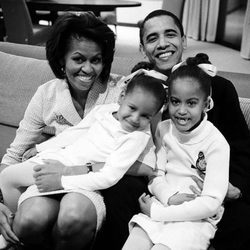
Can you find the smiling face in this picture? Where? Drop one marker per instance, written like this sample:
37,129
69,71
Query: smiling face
187,102
162,42
137,109
83,63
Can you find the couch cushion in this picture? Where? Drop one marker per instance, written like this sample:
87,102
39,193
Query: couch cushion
245,107
19,79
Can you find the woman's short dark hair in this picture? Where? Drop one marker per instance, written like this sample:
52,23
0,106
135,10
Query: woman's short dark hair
192,70
157,13
69,26
150,84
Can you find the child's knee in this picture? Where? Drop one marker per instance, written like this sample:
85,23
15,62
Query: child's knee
6,178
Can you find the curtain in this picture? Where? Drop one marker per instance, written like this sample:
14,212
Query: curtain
245,43
200,18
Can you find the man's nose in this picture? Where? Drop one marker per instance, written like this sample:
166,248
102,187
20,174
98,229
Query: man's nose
163,42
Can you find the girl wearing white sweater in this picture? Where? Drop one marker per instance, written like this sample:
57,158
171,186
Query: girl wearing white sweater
188,146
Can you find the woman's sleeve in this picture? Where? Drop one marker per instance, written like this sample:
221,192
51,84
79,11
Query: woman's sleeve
117,164
212,196
29,130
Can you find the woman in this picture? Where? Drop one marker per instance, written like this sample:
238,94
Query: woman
80,52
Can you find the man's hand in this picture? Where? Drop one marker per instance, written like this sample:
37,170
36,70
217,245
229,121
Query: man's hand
145,202
48,175
6,220
233,193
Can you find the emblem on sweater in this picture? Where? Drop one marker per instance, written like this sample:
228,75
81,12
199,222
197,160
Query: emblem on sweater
201,163
61,120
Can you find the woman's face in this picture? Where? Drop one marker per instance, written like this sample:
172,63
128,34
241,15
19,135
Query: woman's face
83,63
187,102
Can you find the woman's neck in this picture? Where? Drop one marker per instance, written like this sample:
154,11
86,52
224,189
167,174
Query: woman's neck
79,99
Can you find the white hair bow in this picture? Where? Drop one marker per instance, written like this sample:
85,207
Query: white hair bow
210,69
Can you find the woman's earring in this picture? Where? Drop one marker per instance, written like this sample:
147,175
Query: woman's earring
63,70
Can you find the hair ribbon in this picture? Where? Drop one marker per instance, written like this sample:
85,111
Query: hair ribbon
210,69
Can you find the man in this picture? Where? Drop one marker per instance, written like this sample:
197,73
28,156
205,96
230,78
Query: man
163,41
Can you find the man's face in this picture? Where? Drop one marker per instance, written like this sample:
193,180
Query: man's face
163,43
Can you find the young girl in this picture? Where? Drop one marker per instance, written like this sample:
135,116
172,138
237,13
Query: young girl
111,133
188,146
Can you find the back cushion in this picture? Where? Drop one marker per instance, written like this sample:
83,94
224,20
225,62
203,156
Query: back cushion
19,79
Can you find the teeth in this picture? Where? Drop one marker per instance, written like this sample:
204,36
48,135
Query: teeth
182,120
85,78
165,55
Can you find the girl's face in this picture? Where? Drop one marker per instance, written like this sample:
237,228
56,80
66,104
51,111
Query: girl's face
187,102
83,63
137,109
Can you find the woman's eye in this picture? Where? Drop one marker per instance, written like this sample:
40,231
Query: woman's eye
97,60
78,60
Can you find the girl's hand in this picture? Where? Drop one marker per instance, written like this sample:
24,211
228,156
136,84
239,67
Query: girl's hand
179,198
29,153
145,202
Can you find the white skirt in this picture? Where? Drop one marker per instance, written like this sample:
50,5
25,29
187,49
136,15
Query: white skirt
94,196
187,235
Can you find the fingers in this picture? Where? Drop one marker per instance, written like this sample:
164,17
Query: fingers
6,231
37,168
144,197
195,190
198,181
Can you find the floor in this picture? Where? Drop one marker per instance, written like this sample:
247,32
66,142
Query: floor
226,59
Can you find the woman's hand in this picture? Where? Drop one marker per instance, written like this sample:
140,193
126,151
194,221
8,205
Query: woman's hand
29,153
6,220
145,202
48,175
179,198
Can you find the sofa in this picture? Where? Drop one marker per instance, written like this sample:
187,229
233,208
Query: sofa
23,68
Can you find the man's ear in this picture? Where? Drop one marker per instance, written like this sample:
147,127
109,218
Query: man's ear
141,48
184,42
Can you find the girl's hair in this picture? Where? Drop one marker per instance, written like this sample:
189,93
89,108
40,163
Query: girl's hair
150,84
192,70
157,13
142,65
75,26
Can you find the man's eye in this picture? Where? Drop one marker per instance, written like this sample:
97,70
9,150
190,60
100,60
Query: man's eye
171,35
151,39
